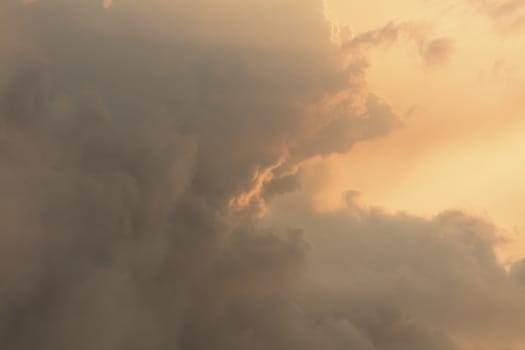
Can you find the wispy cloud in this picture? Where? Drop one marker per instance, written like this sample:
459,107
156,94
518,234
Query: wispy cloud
433,50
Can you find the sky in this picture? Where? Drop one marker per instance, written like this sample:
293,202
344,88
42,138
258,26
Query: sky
462,144
262,174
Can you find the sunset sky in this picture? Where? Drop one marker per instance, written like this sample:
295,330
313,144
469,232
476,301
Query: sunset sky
462,145
262,174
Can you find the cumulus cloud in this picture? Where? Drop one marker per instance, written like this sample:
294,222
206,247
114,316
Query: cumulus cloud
126,137
137,149
438,277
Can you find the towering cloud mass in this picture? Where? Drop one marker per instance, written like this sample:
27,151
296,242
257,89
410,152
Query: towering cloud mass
141,144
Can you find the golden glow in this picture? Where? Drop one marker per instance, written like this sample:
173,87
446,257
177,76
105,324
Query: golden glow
463,143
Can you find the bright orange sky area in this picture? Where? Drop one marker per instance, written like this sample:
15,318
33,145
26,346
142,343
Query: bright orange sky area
462,145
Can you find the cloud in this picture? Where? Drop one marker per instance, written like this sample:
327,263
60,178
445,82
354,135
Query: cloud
508,15
517,271
433,50
127,135
437,51
499,9
438,277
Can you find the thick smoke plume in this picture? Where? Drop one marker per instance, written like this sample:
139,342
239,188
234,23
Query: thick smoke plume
140,145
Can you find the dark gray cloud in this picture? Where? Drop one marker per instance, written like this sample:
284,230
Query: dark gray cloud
137,146
125,136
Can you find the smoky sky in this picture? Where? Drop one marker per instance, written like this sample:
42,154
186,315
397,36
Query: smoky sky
140,148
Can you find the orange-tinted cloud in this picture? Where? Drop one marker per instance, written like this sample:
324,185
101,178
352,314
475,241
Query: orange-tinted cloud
432,50
137,149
